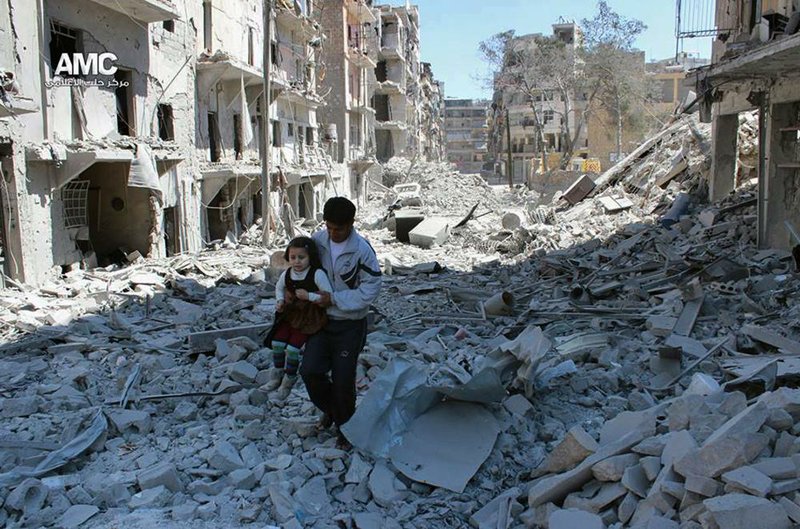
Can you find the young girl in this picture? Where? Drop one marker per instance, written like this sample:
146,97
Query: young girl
297,316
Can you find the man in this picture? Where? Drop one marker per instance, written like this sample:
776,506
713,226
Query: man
353,270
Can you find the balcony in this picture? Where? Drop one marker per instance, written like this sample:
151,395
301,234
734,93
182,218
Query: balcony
389,88
361,157
223,66
390,125
15,105
362,107
146,11
294,21
390,46
769,60
360,11
360,58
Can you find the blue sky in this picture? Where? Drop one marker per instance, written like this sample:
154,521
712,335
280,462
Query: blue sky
451,30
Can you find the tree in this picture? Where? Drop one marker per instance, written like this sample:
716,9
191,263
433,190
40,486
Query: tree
613,68
533,69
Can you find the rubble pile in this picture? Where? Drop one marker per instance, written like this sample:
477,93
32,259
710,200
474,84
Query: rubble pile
622,367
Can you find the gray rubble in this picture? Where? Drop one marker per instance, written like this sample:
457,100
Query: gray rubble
640,378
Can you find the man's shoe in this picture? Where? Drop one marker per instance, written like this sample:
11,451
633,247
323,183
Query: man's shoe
325,422
342,443
285,388
274,377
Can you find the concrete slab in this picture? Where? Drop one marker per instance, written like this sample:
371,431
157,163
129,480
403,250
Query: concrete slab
433,230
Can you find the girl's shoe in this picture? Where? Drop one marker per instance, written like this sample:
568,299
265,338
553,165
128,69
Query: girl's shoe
285,388
274,377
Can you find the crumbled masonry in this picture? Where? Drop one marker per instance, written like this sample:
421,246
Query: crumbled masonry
643,378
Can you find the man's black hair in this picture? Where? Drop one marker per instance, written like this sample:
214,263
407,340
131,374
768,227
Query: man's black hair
308,244
339,211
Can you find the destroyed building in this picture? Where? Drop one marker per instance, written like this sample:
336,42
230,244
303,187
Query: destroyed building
349,55
467,129
397,95
754,67
432,144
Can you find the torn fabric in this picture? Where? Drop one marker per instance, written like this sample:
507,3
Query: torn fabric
143,171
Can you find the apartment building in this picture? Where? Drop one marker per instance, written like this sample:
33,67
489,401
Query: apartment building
467,130
754,67
349,57
134,128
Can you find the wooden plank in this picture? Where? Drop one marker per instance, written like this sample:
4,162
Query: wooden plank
772,338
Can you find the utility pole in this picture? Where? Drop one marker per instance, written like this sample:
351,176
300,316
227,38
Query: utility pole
266,144
508,149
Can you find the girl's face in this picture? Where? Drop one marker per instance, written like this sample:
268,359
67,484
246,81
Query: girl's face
298,259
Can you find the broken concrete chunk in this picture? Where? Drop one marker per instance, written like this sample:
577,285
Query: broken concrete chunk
384,486
150,498
432,230
659,325
748,479
576,446
742,511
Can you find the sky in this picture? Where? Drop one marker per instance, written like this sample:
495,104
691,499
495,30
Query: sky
450,31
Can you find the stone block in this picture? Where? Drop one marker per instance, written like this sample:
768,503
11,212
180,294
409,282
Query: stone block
555,488
776,467
433,230
76,515
574,519
660,325
742,511
243,372
613,468
791,508
154,498
406,220
651,466
627,507
384,486
748,479
245,413
223,456
785,487
711,460
635,480
162,474
596,503
242,479
576,446
131,421
702,485
643,422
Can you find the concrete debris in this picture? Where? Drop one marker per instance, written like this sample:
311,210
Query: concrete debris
637,377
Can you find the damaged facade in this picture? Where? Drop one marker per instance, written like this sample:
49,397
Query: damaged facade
516,107
467,129
158,151
754,66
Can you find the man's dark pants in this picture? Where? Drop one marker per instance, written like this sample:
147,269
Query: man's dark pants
334,350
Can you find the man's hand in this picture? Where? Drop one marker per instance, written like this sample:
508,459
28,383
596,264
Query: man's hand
279,306
324,299
301,294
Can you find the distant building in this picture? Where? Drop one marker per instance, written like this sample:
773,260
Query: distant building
467,129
